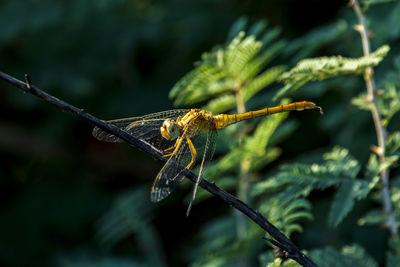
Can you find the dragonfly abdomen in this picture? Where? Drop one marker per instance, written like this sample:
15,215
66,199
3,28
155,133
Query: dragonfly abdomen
224,120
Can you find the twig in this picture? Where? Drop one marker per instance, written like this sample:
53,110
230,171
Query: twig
380,129
279,238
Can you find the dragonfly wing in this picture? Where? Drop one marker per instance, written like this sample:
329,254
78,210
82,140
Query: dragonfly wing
102,135
209,149
205,146
146,128
171,174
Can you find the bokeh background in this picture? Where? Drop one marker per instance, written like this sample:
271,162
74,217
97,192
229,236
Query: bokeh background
60,188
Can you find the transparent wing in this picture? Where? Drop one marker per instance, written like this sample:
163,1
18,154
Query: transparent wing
146,128
209,149
171,174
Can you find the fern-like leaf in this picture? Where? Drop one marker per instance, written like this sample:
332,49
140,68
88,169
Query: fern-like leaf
327,67
221,72
342,204
338,168
131,214
286,215
278,262
393,255
372,217
228,101
388,103
350,256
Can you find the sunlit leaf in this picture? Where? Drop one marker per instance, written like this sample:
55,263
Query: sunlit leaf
350,256
372,217
318,69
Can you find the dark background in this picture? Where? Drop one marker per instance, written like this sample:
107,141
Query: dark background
119,59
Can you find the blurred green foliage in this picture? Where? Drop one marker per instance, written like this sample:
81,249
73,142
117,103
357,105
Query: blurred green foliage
69,200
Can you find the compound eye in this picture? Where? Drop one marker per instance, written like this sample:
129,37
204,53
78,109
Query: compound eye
172,129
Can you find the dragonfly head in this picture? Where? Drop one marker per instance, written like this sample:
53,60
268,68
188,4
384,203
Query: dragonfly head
169,130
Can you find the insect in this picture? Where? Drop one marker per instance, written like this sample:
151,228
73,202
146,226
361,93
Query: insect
180,135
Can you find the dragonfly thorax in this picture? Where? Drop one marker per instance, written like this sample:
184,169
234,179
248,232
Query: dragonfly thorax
169,129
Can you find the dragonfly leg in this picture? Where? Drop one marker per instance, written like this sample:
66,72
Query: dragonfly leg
170,148
177,146
192,152
133,124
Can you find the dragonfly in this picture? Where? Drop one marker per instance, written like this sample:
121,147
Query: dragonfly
183,134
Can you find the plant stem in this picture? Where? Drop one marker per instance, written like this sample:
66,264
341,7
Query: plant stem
241,108
243,186
381,133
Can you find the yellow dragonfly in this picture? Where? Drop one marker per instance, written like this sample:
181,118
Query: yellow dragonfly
180,135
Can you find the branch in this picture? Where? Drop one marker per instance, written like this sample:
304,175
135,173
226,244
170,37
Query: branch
279,239
362,28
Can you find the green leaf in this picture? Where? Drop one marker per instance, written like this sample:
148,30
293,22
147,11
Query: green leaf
350,256
239,53
224,70
293,192
261,81
220,244
389,103
393,255
229,162
356,253
372,217
392,146
228,101
286,215
254,66
201,83
327,67
268,186
374,2
341,162
258,27
297,216
130,214
343,203
257,143
296,204
238,26
270,36
278,262
221,103
372,168
338,168
362,102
